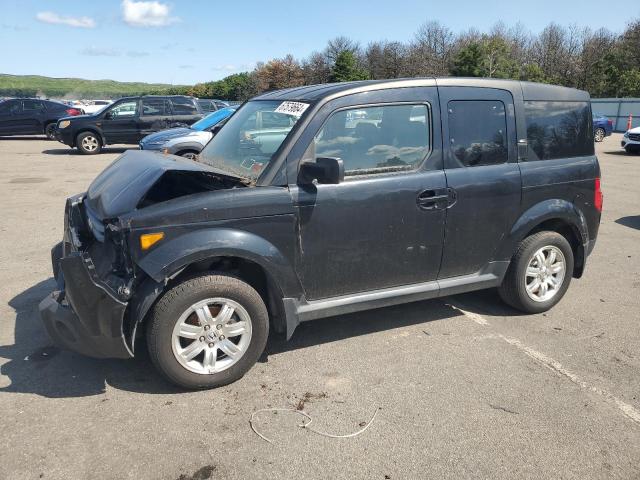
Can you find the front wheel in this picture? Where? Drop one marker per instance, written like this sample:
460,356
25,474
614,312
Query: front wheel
539,273
190,154
88,143
207,331
599,134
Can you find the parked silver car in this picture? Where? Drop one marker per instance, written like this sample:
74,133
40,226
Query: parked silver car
187,141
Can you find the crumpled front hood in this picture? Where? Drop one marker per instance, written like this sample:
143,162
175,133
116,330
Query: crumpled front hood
164,135
123,184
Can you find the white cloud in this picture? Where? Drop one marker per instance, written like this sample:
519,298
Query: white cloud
100,52
54,18
146,14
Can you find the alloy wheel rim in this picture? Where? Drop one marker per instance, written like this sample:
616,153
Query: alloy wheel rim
90,143
599,135
545,273
211,335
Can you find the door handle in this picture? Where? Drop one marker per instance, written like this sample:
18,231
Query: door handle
436,199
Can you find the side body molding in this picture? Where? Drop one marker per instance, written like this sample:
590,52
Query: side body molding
190,247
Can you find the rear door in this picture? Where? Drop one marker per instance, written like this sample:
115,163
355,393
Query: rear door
183,112
383,226
154,115
480,160
120,122
32,117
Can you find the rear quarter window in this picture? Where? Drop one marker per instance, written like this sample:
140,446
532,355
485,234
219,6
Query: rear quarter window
184,106
558,130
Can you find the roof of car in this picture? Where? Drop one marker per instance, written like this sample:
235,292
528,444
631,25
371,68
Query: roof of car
135,97
530,90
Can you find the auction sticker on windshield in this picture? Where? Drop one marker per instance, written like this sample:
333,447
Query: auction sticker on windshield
292,108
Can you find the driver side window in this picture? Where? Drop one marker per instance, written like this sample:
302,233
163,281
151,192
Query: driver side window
124,110
374,140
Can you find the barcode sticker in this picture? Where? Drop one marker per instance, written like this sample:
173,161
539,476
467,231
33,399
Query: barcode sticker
292,108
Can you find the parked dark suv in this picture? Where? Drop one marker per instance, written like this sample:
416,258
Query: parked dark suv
435,187
127,120
32,116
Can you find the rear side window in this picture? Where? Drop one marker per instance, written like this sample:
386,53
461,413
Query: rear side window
32,106
478,132
558,130
184,106
372,140
155,106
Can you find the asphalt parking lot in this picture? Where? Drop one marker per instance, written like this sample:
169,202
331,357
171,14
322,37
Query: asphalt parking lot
464,386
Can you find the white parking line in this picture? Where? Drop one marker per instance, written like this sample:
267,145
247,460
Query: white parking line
628,410
479,319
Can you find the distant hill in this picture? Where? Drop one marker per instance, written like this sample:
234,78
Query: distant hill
77,88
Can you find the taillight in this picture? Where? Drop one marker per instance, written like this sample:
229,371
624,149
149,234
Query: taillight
597,196
72,112
610,122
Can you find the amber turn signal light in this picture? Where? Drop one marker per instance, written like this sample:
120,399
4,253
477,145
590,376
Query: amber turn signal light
148,240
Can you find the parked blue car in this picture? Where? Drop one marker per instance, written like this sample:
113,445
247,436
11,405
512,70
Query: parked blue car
602,127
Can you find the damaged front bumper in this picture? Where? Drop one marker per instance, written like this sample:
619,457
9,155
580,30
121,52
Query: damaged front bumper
83,314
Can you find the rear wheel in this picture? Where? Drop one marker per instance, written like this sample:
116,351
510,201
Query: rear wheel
88,143
539,273
599,134
207,331
50,131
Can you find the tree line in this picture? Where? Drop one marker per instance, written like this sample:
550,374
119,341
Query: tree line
605,63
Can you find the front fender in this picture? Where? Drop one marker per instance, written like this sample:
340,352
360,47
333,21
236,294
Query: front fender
178,147
169,258
553,209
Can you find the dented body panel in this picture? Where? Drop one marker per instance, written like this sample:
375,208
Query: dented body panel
324,249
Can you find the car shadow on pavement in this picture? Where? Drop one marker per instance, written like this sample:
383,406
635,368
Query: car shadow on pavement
29,137
33,365
333,329
622,153
74,151
632,221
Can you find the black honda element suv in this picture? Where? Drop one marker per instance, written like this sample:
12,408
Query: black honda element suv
324,200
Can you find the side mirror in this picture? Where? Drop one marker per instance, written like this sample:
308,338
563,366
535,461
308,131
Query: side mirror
108,115
327,170
216,128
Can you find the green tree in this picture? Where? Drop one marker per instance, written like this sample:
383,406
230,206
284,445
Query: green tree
346,68
468,61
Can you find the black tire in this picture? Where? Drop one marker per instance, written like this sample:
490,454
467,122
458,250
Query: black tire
176,301
50,130
89,138
632,150
513,288
599,133
191,154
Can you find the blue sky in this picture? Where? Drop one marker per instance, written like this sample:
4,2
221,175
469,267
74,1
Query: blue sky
184,42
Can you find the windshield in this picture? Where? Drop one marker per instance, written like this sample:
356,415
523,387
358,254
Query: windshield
212,119
250,138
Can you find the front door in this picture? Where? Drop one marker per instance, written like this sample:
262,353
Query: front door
10,110
120,122
480,159
383,226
